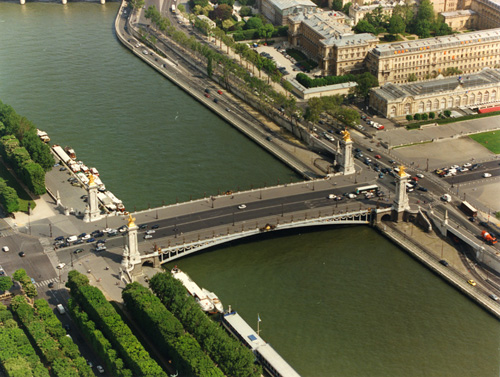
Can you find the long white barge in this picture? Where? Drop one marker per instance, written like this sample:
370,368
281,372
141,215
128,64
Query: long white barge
207,300
270,360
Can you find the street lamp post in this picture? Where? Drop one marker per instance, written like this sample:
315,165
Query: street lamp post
29,218
71,255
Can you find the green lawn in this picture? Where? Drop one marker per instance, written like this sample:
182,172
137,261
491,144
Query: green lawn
490,140
24,198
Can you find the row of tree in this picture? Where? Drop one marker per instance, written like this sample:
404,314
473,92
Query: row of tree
102,346
423,23
19,158
8,197
231,356
99,310
167,333
28,287
333,106
17,355
25,131
46,331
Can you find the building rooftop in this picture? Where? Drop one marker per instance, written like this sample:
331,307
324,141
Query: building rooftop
446,41
462,83
375,5
285,4
458,13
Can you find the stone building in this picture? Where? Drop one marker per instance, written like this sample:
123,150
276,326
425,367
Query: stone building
477,90
489,13
328,39
278,11
426,58
358,11
460,20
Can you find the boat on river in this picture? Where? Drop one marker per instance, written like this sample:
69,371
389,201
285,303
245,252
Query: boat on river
215,301
201,297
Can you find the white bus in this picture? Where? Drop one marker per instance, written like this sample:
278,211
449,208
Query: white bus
363,189
173,8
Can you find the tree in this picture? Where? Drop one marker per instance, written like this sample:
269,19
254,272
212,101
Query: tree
5,283
417,117
365,82
432,115
337,5
425,116
422,28
447,113
396,24
136,4
425,11
364,26
409,118
254,23
346,7
245,11
181,8
266,31
223,12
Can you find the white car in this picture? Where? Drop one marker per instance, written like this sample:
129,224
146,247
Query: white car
446,198
144,52
100,369
151,231
352,196
467,165
148,236
86,237
242,206
420,176
61,265
486,175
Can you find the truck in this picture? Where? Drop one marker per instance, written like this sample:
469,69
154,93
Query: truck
488,237
173,8
468,209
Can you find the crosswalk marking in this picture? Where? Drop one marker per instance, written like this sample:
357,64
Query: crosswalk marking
45,282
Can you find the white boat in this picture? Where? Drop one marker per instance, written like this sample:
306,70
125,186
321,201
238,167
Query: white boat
193,289
215,300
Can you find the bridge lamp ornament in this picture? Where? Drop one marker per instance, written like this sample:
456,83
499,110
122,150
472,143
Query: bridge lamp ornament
346,135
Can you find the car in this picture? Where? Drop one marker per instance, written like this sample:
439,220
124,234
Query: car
86,237
352,196
90,240
421,188
82,235
150,231
220,92
145,52
392,162
216,100
51,284
67,328
113,233
242,206
377,156
22,254
156,226
123,229
143,226
5,249
98,234
446,198
100,247
100,369
381,175
472,282
420,176
207,95
60,266
77,242
60,238
376,168
444,263
227,109
107,230
147,236
486,175
472,219
475,166
89,363
101,241
494,297
63,168
357,150
78,251
370,149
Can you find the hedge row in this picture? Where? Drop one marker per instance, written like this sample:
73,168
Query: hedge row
111,324
47,333
98,341
328,80
17,356
22,277
249,34
18,157
8,197
167,332
231,356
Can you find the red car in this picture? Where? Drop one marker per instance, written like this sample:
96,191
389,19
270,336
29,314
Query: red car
377,156
207,95
219,91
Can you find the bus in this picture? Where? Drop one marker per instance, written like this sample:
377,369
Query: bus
468,209
173,8
363,189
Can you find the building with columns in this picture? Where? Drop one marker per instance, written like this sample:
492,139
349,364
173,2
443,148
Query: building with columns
327,38
426,58
459,20
488,11
478,90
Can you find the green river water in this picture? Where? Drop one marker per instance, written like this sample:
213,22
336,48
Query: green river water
333,302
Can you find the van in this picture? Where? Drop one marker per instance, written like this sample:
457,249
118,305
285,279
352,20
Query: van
5,249
61,309
71,239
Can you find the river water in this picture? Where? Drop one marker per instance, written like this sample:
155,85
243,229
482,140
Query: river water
334,302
